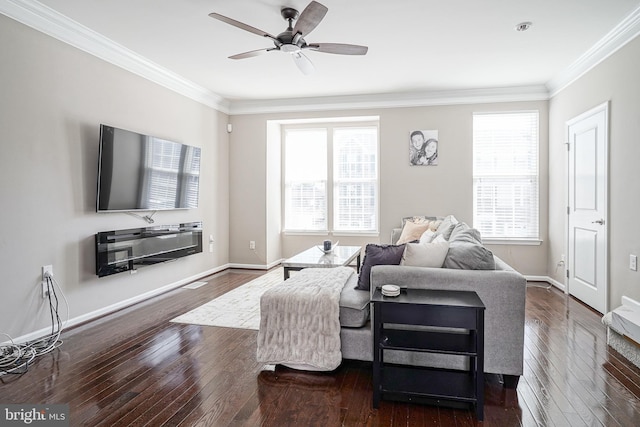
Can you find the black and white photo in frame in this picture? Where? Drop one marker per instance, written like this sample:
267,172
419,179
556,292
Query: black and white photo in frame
423,148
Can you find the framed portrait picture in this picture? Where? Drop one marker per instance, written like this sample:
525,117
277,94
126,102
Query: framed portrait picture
423,148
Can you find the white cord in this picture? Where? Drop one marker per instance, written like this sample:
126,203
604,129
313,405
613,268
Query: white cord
16,358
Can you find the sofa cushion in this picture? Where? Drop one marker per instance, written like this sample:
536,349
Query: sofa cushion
354,305
466,251
378,255
425,254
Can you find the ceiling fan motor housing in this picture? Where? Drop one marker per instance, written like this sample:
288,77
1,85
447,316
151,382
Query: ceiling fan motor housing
289,13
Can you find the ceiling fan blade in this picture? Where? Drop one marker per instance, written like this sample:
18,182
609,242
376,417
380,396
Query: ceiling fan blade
304,64
310,18
242,25
339,48
251,53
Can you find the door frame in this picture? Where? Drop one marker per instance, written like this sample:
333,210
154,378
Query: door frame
604,107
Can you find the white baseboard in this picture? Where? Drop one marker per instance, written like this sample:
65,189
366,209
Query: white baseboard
256,266
119,305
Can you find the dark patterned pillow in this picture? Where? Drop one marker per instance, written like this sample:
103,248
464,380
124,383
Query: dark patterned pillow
377,255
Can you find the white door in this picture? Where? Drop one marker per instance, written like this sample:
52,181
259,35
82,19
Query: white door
587,212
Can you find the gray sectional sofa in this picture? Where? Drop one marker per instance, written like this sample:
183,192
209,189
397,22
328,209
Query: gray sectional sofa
501,289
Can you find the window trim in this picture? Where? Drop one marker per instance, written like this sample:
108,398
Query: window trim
512,242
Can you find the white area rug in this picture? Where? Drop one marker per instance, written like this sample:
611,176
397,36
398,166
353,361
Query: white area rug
239,308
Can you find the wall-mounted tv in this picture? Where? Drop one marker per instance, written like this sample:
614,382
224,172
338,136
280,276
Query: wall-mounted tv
143,172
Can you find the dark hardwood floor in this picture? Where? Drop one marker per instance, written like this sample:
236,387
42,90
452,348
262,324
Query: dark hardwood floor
135,367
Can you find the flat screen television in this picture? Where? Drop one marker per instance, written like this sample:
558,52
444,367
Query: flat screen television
143,172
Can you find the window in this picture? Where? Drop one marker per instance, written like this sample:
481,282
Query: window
306,179
355,179
505,175
331,169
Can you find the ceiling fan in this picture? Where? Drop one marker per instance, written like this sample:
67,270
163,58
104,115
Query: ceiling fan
292,39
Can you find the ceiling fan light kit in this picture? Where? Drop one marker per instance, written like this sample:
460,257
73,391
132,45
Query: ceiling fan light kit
292,40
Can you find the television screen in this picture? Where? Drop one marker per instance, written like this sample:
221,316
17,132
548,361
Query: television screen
142,172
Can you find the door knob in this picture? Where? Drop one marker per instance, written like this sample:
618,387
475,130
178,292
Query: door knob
600,221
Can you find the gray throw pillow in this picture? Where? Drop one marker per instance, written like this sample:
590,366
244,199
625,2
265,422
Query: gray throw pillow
446,226
467,253
377,255
464,232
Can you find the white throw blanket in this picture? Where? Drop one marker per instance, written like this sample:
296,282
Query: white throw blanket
299,320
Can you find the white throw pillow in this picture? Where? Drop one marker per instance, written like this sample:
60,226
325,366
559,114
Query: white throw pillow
439,239
425,254
427,236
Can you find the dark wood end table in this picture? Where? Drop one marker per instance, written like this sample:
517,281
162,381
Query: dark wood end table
441,310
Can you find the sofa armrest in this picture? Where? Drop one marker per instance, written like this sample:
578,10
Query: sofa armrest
503,293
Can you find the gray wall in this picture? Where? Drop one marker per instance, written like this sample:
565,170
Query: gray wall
404,190
53,99
615,80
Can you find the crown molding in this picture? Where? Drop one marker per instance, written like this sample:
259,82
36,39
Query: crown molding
620,35
46,20
392,100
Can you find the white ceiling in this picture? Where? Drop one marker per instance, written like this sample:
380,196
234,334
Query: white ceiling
414,45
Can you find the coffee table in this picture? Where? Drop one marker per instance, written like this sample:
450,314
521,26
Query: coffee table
314,257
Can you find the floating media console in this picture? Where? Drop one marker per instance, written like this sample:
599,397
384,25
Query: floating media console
126,250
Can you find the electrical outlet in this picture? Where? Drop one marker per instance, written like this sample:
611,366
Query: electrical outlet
633,262
252,244
47,270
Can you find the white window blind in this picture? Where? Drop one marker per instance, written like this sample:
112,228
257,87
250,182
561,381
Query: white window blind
355,179
306,180
331,178
505,175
